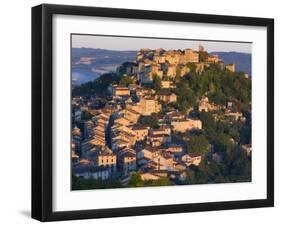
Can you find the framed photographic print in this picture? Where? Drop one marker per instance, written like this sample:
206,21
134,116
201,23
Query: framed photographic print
147,112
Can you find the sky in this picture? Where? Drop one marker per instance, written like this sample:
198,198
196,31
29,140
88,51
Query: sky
130,43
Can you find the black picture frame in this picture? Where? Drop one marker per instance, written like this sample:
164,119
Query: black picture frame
42,108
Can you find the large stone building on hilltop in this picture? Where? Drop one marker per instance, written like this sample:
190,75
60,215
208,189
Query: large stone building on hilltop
167,64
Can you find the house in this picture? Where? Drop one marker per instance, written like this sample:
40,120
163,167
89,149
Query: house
141,92
166,84
105,159
149,176
156,70
87,171
183,125
230,67
174,115
180,166
76,114
130,115
175,149
119,91
98,139
122,121
88,128
146,106
167,97
120,144
213,58
190,56
204,105
191,159
76,139
162,130
127,160
155,158
74,157
141,132
159,139
171,70
148,153
164,161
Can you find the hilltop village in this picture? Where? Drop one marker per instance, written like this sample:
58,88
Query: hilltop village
162,120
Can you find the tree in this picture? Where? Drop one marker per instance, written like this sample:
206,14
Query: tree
97,87
126,80
203,55
190,177
185,97
223,142
207,120
163,181
198,144
135,180
192,67
86,115
151,120
86,184
156,82
212,88
238,164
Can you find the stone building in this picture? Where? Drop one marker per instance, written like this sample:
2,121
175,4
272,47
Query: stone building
146,106
191,159
119,91
183,125
167,97
230,67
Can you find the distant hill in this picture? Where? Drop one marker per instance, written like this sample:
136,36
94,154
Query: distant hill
243,61
88,64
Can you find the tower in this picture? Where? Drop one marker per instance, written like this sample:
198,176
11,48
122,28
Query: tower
201,48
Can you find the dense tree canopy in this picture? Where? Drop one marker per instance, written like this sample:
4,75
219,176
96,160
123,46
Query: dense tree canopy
221,85
97,87
135,180
198,144
157,83
86,184
126,80
151,121
219,135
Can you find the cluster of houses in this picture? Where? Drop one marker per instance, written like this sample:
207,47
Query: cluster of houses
112,143
168,64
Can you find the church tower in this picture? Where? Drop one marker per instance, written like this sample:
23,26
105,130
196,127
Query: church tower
201,48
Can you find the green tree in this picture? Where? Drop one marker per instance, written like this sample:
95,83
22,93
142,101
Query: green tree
86,115
151,120
126,80
192,67
203,55
198,144
185,97
97,87
156,83
223,142
86,184
190,177
135,180
212,88
163,181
